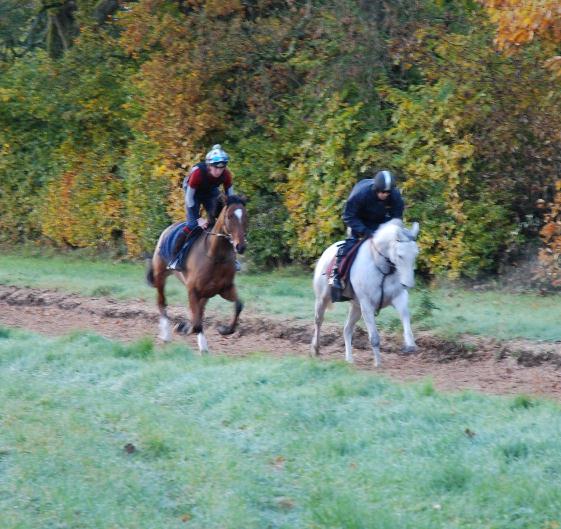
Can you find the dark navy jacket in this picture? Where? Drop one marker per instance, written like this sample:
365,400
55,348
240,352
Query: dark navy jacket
364,211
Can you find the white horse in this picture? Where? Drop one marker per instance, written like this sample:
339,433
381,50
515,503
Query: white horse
382,272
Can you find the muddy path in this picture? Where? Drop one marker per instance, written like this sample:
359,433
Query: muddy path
475,363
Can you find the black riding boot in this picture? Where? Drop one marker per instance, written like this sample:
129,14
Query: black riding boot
335,278
335,281
182,238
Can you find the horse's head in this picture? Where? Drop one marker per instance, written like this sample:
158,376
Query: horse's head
233,222
403,251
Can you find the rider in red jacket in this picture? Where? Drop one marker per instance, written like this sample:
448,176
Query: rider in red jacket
201,187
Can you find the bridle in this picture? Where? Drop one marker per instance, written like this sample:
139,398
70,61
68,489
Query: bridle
226,236
391,264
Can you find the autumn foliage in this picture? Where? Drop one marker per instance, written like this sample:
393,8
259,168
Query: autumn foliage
104,106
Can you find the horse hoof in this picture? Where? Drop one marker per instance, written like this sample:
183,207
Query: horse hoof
409,349
182,327
225,330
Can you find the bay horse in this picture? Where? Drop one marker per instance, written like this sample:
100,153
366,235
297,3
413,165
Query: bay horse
209,269
382,272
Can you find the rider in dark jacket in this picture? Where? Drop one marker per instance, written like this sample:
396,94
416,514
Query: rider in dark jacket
372,202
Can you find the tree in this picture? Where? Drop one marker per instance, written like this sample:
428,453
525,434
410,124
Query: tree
520,22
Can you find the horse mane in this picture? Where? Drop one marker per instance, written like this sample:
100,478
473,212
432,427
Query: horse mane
395,229
387,231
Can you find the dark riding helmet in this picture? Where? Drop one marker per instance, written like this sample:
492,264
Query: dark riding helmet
384,181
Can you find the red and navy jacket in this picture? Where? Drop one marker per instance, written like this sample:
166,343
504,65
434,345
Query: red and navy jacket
200,179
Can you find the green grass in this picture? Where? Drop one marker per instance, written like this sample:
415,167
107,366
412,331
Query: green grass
288,293
499,314
220,443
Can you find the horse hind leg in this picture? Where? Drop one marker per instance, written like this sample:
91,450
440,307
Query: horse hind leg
202,343
322,302
158,275
352,317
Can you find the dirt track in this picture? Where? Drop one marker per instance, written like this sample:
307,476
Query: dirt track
469,363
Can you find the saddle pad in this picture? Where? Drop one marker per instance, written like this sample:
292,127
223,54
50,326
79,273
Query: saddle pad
170,242
344,272
349,259
346,262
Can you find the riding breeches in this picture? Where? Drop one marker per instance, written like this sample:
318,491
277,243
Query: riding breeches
208,201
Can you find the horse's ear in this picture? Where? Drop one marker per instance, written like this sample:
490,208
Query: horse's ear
244,199
412,233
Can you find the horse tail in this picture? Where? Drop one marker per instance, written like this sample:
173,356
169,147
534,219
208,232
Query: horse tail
150,272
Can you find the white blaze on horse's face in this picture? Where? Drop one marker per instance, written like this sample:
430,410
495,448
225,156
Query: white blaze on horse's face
236,223
403,255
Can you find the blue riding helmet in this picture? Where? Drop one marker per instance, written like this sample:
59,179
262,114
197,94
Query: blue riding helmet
217,156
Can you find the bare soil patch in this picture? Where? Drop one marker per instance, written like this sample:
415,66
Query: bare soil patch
470,362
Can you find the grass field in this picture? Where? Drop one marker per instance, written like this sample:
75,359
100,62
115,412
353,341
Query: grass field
288,293
96,434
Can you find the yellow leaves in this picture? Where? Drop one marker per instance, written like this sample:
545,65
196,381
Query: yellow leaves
554,64
84,206
161,170
221,8
5,95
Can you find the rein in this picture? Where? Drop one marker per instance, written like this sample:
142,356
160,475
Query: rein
225,235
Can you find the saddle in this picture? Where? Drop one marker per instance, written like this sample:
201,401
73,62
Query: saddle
169,243
345,269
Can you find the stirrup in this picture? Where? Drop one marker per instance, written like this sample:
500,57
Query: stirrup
173,265
337,294
335,282
237,265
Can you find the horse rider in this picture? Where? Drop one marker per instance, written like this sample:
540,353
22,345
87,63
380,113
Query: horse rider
201,187
372,202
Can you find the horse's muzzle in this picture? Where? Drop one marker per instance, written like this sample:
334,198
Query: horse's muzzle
240,247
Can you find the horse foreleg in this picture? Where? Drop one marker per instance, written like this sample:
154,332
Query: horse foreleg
159,282
197,307
401,303
321,305
231,294
352,317
370,321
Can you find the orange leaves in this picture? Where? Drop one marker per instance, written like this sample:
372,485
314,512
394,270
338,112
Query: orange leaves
521,21
550,255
